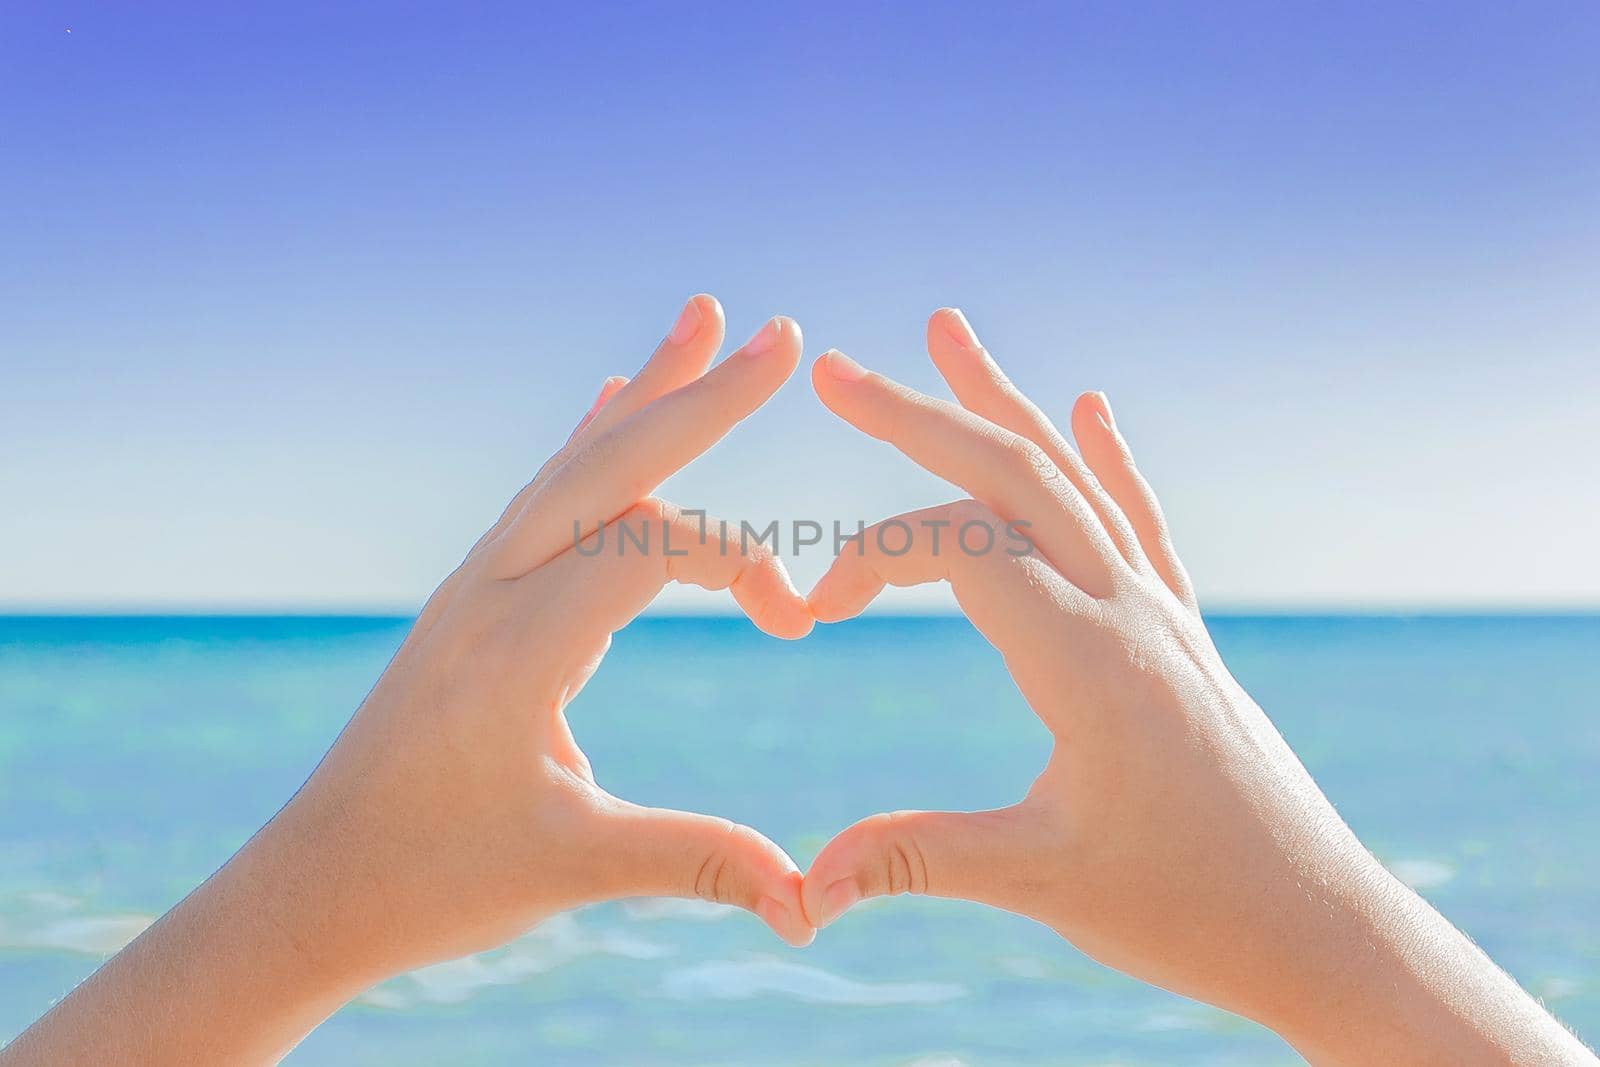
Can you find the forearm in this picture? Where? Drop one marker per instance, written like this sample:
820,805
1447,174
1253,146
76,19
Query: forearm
236,973
1402,985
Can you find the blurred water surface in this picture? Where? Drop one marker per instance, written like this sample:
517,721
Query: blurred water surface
137,753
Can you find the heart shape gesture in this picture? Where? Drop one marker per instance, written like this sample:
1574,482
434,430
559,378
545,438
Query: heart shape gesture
1173,834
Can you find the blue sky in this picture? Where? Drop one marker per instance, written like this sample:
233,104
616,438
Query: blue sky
292,299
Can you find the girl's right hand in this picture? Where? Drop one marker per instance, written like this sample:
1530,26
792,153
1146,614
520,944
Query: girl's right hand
1173,834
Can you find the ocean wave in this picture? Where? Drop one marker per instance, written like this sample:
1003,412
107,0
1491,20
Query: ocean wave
1422,874
55,922
765,975
652,909
553,943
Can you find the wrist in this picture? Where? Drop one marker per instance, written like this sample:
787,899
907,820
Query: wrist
282,930
314,899
238,972
1342,994
1394,982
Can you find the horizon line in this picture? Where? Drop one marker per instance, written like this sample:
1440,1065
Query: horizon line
1530,609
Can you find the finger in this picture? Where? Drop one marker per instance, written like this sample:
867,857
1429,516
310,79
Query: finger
608,389
1003,469
1003,588
983,389
1108,455
980,856
683,355
659,852
602,582
681,358
613,469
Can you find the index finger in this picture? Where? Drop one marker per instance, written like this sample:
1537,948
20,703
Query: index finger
617,468
1005,470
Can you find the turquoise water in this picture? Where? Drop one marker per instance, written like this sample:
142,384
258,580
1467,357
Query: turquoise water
136,754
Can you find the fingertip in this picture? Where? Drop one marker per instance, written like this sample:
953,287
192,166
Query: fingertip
826,610
949,324
839,367
830,889
608,389
777,344
1093,409
790,624
699,313
819,374
779,904
790,331
787,919
837,899
791,344
709,307
772,601
843,591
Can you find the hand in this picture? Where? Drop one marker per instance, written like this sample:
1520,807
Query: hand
481,813
1173,834
456,810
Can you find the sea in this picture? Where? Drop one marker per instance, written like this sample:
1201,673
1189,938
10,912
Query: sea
137,753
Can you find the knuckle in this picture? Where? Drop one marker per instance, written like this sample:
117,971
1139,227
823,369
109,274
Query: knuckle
1029,460
713,880
905,867
652,509
966,512
897,408
588,460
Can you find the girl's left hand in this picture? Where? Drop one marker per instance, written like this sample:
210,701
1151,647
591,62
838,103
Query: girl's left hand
458,781
456,810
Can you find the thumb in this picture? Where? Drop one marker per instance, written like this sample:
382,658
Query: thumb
966,855
657,852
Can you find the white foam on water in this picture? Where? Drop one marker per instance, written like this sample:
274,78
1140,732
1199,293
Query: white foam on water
652,909
1422,874
91,935
1558,988
765,975
51,900
1024,966
552,944
55,922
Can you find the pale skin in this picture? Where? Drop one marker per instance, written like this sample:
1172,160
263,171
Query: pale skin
455,810
1173,834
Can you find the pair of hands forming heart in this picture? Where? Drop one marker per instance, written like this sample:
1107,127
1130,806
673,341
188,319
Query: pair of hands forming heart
1173,835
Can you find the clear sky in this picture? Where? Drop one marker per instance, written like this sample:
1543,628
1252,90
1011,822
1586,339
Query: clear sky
294,295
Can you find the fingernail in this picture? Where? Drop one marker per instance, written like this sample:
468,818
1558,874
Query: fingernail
837,899
765,339
960,330
780,917
844,368
594,409
687,326
1105,411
